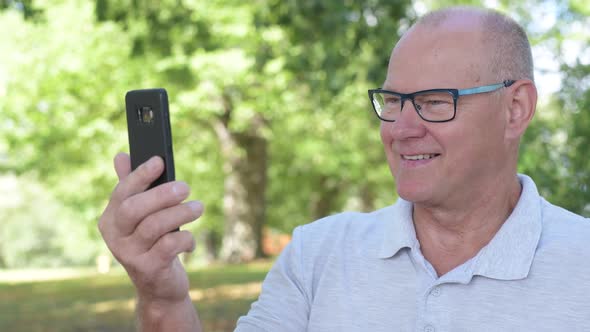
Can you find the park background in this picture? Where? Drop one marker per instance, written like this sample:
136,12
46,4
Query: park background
272,129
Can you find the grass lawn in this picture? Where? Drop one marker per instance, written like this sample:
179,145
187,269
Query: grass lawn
106,302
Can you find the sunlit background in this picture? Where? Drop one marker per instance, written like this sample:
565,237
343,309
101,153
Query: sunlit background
271,124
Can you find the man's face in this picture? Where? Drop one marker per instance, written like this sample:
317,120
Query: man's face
444,163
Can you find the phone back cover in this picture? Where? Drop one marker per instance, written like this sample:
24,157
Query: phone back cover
151,135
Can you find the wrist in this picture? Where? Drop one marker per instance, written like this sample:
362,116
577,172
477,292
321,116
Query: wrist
163,315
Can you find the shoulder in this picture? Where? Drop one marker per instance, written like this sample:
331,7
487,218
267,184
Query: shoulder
347,233
565,234
559,221
560,228
348,224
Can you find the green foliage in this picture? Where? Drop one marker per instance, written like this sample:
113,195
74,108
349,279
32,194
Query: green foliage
61,116
329,150
553,147
301,67
575,101
25,7
37,230
580,7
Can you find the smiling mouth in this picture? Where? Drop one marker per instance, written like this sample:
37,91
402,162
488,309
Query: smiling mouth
420,156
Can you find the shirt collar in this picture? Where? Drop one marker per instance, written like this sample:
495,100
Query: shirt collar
508,256
399,229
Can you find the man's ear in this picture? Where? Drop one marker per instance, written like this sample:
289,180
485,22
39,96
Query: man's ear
522,102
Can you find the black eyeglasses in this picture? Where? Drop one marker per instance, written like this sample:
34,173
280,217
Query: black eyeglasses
434,105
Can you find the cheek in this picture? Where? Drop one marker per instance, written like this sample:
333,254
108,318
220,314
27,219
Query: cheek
383,131
490,131
478,147
483,124
386,138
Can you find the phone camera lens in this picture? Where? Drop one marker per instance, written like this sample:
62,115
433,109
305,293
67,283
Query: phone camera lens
145,115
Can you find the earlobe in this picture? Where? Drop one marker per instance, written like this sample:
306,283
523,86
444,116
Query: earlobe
522,102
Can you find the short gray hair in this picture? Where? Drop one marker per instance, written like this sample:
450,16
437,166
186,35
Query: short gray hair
512,57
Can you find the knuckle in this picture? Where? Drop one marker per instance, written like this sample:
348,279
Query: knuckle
105,227
126,210
117,193
130,265
101,226
148,230
191,243
104,220
121,257
163,190
120,192
168,245
186,240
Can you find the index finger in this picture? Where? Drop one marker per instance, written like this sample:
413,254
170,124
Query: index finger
139,179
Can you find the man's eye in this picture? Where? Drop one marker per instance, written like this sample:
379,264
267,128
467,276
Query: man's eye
435,102
391,100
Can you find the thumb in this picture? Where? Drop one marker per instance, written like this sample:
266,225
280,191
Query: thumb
122,165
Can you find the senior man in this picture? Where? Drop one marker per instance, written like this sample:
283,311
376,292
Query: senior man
469,245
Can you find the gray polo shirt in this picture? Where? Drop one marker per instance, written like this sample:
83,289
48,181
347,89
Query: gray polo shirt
365,272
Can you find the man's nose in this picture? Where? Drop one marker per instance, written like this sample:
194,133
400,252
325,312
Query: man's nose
408,124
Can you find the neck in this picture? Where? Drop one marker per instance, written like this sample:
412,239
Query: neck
451,235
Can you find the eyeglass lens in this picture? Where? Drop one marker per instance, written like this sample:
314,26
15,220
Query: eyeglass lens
432,106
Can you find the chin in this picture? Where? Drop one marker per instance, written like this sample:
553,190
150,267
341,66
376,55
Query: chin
412,196
411,193
414,192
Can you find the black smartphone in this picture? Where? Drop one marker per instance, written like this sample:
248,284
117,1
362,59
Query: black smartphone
148,126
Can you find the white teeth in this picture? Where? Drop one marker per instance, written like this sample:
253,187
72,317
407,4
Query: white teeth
418,156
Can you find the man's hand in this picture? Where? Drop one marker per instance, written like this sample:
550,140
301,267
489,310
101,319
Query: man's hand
138,227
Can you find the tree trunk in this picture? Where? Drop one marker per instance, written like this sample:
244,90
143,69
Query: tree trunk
245,164
212,241
367,198
322,202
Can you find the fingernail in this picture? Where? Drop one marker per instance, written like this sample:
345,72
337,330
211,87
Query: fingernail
180,189
196,206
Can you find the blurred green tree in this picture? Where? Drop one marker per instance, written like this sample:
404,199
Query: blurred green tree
327,156
205,51
38,230
574,101
60,107
552,148
263,74
270,117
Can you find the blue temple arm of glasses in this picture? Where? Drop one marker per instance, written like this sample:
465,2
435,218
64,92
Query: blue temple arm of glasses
485,88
